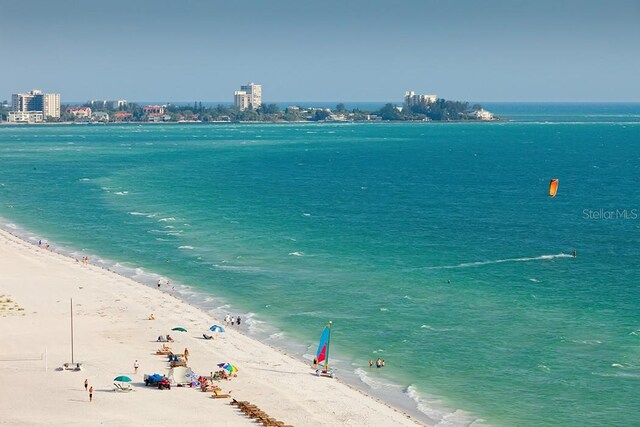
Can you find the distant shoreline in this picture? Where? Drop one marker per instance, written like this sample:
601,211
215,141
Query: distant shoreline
255,122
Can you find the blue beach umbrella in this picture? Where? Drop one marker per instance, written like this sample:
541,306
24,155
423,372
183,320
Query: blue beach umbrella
216,328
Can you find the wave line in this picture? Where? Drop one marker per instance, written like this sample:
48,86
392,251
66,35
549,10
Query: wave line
499,261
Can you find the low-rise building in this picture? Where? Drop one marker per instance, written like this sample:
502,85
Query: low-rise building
482,114
80,112
100,116
153,110
155,118
123,116
25,117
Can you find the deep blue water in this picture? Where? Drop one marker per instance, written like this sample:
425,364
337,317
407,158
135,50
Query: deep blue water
433,246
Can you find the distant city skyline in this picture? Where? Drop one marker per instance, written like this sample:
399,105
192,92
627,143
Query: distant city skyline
357,51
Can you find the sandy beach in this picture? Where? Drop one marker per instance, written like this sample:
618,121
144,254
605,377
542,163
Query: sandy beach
112,330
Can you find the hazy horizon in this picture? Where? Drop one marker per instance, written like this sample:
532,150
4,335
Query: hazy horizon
496,51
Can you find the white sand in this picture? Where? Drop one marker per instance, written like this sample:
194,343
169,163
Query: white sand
112,330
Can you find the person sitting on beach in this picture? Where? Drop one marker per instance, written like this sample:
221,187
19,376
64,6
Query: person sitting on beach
169,339
161,339
151,317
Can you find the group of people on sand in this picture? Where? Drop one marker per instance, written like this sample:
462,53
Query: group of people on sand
230,320
89,389
379,363
162,338
85,259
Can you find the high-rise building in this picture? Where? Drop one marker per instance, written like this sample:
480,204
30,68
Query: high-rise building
411,98
241,99
249,95
52,105
47,103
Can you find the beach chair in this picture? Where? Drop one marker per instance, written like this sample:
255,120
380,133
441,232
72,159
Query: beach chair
217,394
122,387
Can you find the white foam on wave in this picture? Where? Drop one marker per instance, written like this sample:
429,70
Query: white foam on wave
121,193
237,268
436,410
436,329
166,232
138,213
306,214
185,247
276,336
384,309
296,253
167,219
253,324
374,383
84,179
12,226
499,261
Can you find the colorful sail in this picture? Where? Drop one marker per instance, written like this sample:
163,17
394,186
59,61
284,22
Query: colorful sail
553,187
322,355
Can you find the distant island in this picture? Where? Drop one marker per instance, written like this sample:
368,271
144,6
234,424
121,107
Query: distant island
415,108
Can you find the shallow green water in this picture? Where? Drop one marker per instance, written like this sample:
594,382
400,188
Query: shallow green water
365,225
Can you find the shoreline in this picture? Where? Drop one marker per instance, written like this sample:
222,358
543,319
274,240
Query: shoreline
9,236
249,122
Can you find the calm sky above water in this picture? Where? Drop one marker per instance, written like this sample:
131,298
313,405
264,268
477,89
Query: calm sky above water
332,50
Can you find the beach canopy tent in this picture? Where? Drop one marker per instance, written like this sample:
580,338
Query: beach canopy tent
216,328
122,379
180,375
179,328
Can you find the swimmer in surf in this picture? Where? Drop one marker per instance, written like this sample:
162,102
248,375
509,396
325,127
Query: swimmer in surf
574,253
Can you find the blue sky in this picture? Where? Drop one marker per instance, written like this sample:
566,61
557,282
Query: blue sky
328,50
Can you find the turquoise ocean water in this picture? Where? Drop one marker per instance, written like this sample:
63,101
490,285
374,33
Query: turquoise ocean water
432,246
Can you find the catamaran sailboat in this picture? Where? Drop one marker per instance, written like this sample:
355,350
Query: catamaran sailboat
322,355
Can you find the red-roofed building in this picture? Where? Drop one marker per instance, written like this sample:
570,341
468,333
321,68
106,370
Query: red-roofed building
122,116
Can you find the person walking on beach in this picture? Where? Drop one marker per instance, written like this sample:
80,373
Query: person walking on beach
136,365
238,321
86,384
233,321
91,394
186,354
227,319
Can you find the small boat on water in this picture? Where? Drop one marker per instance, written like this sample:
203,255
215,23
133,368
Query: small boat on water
321,361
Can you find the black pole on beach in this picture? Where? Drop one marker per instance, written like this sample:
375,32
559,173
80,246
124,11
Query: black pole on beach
72,331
